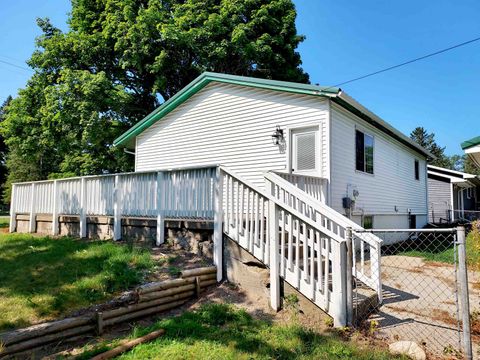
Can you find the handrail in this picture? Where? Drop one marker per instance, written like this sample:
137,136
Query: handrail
285,207
207,166
323,208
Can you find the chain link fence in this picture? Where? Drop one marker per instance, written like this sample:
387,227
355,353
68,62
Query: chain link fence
415,290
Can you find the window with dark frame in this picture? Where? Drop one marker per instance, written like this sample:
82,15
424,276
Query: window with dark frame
417,170
363,152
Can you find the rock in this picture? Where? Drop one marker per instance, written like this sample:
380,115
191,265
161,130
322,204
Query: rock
206,248
409,348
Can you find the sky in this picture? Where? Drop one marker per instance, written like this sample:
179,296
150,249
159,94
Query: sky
344,40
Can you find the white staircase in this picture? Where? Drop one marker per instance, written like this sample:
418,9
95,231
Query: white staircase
300,239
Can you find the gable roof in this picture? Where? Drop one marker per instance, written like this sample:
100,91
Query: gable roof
334,93
470,143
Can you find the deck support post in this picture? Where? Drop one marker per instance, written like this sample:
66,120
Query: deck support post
13,210
464,298
55,209
160,188
273,218
339,283
33,216
349,274
117,213
83,210
218,223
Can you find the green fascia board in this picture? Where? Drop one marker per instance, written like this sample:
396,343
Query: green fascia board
470,143
203,80
127,138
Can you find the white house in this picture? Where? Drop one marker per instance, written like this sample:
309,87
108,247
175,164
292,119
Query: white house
366,168
452,195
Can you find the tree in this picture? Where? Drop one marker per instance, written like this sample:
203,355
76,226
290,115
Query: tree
117,62
427,141
3,151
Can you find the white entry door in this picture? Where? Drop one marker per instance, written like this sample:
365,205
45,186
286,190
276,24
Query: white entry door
305,150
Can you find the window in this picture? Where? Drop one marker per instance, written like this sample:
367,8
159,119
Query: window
417,170
364,152
304,150
367,222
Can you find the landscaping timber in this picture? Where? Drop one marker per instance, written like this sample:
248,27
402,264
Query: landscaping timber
128,345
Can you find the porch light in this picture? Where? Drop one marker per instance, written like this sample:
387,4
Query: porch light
277,136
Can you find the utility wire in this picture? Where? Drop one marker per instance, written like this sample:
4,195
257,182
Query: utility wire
14,65
406,62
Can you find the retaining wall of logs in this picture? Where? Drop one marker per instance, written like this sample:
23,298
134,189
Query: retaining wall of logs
146,300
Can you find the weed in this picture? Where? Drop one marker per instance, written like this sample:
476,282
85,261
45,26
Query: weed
329,322
171,259
174,271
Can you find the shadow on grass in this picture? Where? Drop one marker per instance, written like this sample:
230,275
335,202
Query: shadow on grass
220,331
42,277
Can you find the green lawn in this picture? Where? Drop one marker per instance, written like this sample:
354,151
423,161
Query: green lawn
4,221
43,278
445,252
223,332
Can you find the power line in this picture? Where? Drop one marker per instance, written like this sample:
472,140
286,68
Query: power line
14,65
406,62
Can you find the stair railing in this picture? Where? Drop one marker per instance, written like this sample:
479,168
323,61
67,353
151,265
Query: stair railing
308,256
328,218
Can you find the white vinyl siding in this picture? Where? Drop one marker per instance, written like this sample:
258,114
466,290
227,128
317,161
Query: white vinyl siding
392,189
231,125
439,198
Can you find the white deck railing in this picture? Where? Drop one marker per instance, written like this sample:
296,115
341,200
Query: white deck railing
314,186
180,193
328,218
307,255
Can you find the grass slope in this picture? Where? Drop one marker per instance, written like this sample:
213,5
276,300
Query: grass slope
43,278
4,221
220,331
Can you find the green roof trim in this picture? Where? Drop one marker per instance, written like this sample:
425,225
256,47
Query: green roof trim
337,95
470,143
203,80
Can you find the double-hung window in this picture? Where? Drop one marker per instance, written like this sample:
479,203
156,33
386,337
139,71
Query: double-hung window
364,152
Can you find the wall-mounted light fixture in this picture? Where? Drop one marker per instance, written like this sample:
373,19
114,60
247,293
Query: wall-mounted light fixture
277,136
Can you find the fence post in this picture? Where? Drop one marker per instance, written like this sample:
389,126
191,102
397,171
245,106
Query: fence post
55,209
160,208
339,289
117,213
273,219
13,215
376,262
83,212
465,304
349,275
218,223
33,217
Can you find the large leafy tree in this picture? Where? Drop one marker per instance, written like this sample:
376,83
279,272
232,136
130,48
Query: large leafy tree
427,140
3,151
122,58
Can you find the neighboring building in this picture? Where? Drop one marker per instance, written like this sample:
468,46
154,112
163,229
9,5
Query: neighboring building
253,125
452,195
472,149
